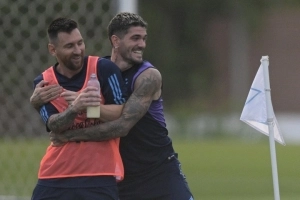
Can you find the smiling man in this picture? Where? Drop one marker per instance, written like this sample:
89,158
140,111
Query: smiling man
79,170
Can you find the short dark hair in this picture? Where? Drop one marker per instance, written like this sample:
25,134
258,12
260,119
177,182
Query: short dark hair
120,24
60,24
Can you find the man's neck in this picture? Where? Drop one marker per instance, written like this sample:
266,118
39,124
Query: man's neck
117,59
66,72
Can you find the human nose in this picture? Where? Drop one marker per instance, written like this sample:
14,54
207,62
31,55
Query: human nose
77,49
142,43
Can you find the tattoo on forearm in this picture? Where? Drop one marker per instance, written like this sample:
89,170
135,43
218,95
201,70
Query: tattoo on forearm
135,108
61,121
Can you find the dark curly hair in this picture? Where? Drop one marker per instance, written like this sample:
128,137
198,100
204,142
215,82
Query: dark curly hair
120,24
60,24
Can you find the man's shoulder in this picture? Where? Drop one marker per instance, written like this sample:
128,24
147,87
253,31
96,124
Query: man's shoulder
144,65
105,61
105,64
38,79
147,63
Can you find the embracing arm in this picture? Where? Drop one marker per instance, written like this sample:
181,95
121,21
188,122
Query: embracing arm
110,112
107,112
43,93
146,89
61,121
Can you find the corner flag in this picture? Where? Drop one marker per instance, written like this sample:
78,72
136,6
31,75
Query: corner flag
255,110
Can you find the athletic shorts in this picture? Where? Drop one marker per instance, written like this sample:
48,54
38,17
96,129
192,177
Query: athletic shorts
166,182
51,193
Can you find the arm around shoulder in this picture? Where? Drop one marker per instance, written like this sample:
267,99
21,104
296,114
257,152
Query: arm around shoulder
146,89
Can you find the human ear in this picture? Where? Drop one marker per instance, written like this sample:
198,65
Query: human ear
115,41
51,49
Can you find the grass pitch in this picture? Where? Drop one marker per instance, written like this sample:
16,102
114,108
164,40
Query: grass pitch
235,170
215,169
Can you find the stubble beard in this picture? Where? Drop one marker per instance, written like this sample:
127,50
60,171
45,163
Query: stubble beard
74,67
134,61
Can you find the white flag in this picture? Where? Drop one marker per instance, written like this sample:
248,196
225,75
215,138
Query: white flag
255,109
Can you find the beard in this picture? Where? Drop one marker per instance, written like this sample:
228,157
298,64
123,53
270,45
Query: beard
134,61
130,59
74,66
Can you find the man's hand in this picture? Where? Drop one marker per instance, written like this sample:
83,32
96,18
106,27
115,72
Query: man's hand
88,97
69,96
58,139
43,93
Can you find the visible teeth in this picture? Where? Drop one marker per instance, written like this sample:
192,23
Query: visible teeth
140,52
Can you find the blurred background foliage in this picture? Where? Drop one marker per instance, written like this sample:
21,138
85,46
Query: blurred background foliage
177,46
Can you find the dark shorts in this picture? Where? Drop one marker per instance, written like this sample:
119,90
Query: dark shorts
42,192
167,182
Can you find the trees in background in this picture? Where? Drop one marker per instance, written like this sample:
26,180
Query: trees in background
177,45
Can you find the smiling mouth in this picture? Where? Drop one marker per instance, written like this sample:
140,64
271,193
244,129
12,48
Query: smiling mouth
76,58
138,52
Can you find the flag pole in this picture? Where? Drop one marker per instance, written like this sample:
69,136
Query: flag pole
270,121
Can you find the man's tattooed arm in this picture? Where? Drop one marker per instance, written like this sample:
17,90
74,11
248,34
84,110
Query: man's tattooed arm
146,89
61,121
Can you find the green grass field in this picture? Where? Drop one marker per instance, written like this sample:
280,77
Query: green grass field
235,170
215,169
